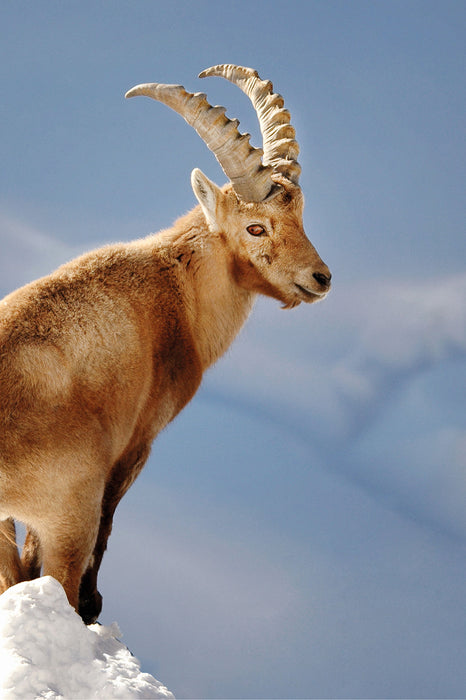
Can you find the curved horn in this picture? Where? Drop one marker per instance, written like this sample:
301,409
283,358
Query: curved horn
280,146
241,162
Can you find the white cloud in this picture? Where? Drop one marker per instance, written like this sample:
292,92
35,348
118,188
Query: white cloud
417,323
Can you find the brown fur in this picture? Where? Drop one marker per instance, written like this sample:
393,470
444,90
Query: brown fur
99,356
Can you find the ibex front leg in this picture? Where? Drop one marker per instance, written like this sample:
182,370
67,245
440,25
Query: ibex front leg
66,551
123,474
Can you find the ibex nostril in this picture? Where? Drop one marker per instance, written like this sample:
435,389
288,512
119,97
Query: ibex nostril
323,280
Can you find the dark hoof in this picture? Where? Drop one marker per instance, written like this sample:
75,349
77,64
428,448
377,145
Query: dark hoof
90,608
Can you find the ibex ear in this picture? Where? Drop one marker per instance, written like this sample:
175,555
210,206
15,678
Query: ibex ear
208,195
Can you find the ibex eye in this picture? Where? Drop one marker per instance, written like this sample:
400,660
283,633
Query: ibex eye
255,230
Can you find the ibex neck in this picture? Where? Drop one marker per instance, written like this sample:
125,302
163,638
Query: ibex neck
216,306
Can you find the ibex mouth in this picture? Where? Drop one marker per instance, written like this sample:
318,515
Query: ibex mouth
308,294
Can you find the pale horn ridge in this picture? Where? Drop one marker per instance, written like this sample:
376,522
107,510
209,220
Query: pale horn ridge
241,162
280,146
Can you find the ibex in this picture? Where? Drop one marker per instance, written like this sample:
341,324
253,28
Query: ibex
97,357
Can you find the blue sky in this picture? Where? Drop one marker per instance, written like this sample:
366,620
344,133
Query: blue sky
299,530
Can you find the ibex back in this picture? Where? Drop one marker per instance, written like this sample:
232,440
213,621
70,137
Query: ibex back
99,356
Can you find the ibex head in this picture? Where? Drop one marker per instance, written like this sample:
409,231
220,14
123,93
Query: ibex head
259,213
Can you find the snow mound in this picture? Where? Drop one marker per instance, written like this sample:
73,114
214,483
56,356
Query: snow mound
47,652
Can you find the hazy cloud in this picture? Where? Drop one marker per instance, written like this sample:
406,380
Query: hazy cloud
27,253
386,335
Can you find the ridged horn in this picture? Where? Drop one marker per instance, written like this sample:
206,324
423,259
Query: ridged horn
280,146
241,162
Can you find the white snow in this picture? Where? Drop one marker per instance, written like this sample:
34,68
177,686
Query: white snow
47,652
